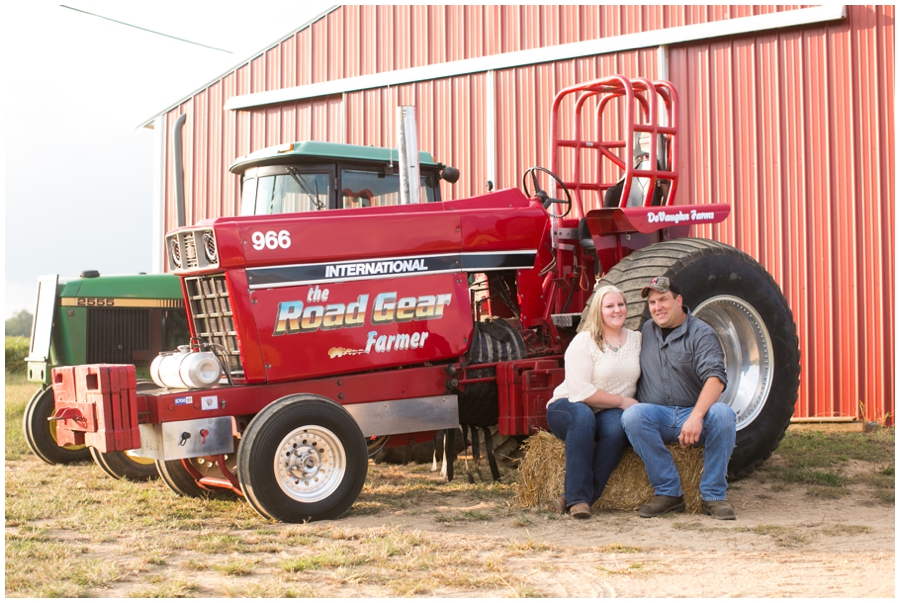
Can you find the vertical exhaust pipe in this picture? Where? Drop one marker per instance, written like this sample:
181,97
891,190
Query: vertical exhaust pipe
409,155
179,170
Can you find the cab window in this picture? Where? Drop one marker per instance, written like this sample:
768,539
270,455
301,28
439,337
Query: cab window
290,191
360,188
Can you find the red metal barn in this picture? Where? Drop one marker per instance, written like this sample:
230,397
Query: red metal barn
787,114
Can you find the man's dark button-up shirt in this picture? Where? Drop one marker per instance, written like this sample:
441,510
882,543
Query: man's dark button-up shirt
674,371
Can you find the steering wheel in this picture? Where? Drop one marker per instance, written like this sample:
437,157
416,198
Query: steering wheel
546,200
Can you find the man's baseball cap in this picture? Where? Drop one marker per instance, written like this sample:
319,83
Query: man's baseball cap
661,284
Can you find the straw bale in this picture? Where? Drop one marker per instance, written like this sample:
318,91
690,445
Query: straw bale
542,476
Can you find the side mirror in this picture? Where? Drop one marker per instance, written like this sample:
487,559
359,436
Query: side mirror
450,174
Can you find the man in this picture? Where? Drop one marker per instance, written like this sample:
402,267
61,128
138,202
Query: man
682,376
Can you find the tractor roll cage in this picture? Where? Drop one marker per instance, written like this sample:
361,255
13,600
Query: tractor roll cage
657,117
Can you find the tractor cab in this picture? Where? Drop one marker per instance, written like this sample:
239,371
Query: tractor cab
313,176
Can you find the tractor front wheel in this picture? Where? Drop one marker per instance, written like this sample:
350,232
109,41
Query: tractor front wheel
303,458
40,434
734,294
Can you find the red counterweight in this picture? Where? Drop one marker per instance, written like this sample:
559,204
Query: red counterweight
104,413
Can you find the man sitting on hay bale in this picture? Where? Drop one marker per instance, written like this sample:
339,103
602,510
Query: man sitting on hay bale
682,377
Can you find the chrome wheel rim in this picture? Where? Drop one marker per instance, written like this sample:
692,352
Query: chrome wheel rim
748,354
310,463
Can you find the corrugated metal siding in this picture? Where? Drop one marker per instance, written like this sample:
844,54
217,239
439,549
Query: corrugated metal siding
794,128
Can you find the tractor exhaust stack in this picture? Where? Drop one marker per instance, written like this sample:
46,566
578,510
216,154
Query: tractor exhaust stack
409,155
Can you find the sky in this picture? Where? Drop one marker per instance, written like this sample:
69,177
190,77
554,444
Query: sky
77,168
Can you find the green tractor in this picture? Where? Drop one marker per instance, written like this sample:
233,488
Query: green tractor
93,319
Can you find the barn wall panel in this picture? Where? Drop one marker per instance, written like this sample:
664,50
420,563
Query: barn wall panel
794,128
797,134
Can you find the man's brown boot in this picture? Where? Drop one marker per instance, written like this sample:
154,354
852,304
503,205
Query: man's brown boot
580,511
558,504
718,509
660,505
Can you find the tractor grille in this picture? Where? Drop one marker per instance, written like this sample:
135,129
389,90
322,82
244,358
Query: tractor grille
118,336
189,249
210,311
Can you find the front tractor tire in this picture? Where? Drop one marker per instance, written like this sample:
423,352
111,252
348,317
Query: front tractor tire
302,458
734,294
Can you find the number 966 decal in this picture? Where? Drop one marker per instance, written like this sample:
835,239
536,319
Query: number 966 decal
271,239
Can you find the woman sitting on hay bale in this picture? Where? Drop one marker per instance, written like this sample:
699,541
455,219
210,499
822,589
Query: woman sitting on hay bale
602,369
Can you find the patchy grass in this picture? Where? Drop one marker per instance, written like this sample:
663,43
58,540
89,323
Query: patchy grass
462,516
786,536
827,449
236,567
821,460
846,530
695,526
635,567
169,585
18,393
522,548
278,587
618,548
92,536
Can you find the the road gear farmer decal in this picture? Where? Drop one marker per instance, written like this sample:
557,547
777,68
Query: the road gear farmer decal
294,317
364,323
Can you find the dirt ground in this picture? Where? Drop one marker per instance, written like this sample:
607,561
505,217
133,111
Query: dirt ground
784,543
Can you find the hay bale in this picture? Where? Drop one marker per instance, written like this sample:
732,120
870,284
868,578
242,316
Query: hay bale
543,469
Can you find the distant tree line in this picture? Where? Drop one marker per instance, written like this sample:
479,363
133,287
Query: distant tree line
19,324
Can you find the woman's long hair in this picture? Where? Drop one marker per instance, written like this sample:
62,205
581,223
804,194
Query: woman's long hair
593,322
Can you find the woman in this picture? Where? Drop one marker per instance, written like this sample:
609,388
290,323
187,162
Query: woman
602,369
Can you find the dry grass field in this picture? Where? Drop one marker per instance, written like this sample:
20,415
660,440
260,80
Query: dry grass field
817,521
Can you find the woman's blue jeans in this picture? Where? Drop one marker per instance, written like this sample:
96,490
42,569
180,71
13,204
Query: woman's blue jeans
651,426
594,446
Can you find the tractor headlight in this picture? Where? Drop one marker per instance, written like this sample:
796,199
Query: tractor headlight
175,252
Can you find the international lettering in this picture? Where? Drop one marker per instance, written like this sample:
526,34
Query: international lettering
375,268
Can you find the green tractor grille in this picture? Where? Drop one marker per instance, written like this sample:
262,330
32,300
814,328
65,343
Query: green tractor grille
118,336
211,313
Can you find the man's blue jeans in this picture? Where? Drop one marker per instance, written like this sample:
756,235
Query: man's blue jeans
594,446
651,426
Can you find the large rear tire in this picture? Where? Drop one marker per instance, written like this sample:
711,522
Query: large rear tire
303,458
40,434
734,294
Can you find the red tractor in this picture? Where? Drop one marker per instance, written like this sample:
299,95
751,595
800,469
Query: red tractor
318,337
